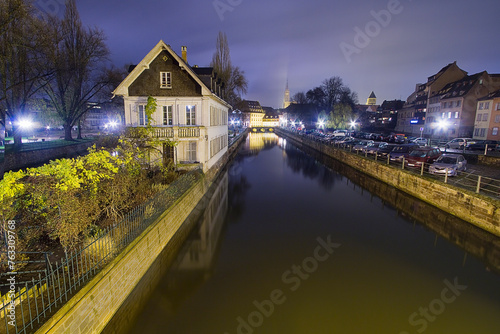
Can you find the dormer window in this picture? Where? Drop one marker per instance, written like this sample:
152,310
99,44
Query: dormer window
165,80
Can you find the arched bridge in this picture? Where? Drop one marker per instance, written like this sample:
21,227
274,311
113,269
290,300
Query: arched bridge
263,129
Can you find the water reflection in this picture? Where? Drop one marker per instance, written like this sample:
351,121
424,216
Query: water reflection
392,260
181,275
473,240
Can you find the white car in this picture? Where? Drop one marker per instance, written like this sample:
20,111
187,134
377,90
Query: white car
420,141
448,162
459,143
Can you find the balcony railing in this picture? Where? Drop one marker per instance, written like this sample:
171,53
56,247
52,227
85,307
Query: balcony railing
165,132
189,132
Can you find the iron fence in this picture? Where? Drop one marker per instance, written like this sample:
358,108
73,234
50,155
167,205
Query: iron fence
26,306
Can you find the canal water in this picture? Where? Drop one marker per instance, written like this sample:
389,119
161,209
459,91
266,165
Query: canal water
287,245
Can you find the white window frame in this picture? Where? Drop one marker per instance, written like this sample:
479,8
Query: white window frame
166,80
191,151
191,115
494,131
168,115
142,118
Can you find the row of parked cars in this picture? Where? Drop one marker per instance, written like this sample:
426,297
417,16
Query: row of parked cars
413,155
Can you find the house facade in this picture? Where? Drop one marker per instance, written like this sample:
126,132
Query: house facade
412,119
190,109
252,113
487,122
455,114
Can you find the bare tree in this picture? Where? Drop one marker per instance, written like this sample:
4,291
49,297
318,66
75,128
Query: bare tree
21,39
79,59
234,78
299,98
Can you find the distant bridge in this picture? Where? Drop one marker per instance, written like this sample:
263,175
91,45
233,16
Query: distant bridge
263,129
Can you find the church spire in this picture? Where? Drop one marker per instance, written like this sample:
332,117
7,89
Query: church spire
372,99
286,99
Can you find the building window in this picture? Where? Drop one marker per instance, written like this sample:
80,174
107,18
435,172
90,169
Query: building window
486,105
190,115
457,114
481,106
167,115
476,132
478,118
485,117
449,114
165,80
191,151
143,118
498,106
458,103
497,119
494,132
482,132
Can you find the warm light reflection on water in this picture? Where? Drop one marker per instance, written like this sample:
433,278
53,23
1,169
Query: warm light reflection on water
289,246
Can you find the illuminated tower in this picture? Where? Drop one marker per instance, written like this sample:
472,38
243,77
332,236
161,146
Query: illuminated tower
372,100
286,100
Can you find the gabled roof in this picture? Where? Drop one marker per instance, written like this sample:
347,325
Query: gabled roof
250,106
271,112
372,96
460,87
491,96
144,64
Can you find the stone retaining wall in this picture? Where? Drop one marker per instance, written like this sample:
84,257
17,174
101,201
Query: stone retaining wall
479,210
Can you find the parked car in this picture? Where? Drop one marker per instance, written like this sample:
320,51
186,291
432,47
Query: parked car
358,145
385,150
372,147
453,163
459,143
376,136
345,140
420,141
481,145
422,155
341,133
401,151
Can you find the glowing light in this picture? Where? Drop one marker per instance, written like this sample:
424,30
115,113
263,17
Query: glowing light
321,123
24,124
47,127
353,124
442,124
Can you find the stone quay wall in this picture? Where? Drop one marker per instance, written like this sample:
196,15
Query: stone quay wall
479,210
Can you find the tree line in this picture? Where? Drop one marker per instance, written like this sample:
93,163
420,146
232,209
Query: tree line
333,99
57,58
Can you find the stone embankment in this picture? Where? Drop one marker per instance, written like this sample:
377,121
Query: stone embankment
482,211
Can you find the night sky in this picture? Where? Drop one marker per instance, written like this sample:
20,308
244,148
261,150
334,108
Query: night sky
303,40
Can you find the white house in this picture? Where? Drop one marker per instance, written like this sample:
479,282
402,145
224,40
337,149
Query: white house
190,106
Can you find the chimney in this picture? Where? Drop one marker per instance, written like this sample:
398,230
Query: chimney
184,53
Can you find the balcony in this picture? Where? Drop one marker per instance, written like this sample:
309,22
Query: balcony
165,132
